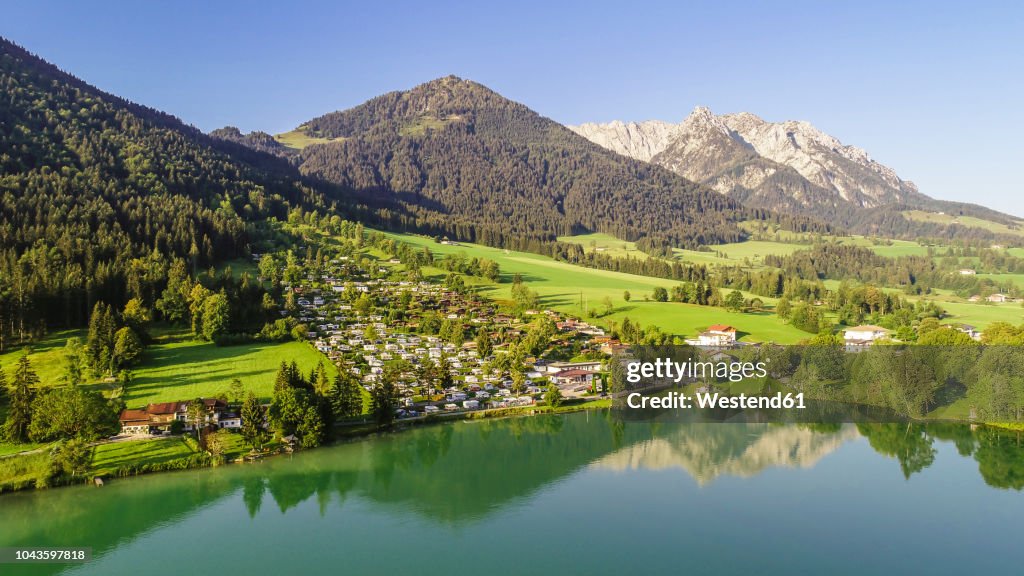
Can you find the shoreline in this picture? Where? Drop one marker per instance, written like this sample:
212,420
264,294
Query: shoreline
356,431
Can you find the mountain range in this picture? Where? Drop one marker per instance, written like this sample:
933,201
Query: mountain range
449,157
790,166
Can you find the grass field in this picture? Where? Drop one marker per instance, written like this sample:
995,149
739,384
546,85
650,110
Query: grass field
969,221
1016,279
298,139
575,290
177,368
46,356
109,457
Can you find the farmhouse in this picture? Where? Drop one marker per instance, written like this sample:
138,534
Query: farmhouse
159,417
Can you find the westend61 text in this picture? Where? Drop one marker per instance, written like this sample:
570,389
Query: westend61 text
674,400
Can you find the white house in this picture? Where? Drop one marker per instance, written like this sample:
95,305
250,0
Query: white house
716,336
861,336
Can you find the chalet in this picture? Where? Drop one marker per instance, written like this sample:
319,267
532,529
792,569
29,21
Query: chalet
134,422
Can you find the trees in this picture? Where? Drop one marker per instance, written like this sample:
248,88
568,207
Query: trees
21,394
660,294
71,412
216,316
345,396
72,457
626,295
783,308
382,398
102,329
236,391
518,382
319,380
734,301
195,414
137,317
74,362
484,346
553,396
127,348
253,431
609,307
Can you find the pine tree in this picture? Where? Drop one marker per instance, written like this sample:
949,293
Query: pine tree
345,396
21,394
321,383
253,431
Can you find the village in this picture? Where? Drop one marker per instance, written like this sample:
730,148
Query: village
364,322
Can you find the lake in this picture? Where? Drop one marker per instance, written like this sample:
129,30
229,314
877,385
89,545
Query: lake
583,493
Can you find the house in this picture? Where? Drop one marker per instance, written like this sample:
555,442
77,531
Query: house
999,298
159,417
588,366
471,404
134,422
574,378
859,337
716,336
969,330
967,272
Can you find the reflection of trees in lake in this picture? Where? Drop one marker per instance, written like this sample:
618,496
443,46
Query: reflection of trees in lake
252,494
999,453
1000,457
909,443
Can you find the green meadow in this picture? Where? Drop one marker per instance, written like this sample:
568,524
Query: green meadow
577,290
175,367
968,221
178,368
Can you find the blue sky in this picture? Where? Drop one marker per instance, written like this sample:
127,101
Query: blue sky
933,89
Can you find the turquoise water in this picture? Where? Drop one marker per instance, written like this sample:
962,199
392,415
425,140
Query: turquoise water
583,493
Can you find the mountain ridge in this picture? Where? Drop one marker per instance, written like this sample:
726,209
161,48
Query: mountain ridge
790,165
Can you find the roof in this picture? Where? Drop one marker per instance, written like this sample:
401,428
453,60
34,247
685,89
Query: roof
867,328
134,416
721,328
163,408
573,373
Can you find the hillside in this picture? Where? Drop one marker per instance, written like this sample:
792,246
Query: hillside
788,166
455,158
98,194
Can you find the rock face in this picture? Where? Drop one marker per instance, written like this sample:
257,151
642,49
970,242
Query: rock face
790,164
638,140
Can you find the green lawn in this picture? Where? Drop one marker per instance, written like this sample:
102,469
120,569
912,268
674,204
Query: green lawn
298,139
109,457
45,356
177,368
1016,279
7,448
969,221
569,288
604,243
